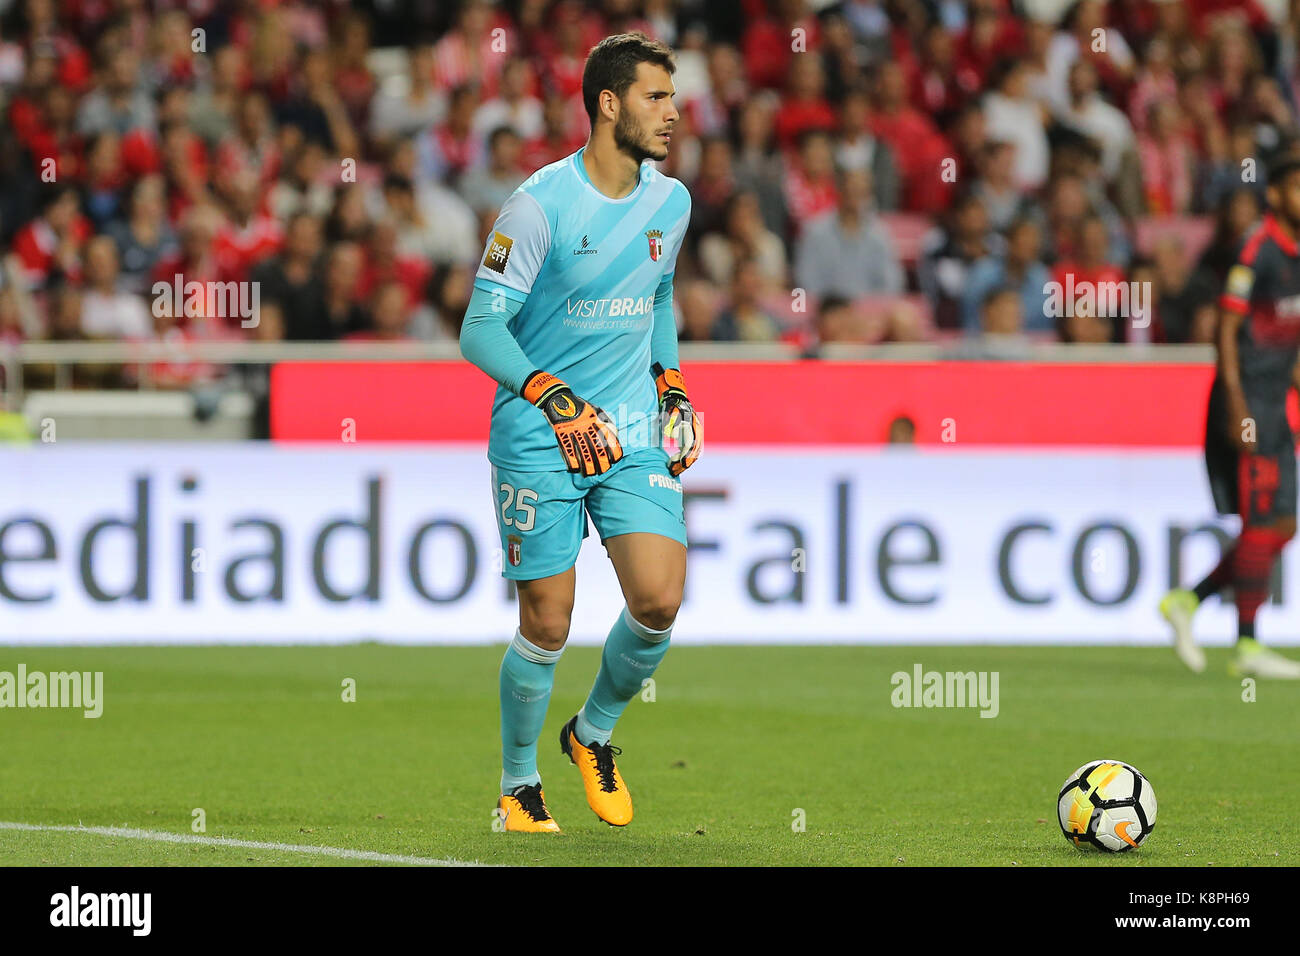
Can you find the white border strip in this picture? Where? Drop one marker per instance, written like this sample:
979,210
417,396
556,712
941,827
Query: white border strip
161,836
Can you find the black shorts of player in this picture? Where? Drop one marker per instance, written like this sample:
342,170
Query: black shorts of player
1260,487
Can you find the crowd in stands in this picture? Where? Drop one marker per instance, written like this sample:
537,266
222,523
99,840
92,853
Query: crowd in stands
861,171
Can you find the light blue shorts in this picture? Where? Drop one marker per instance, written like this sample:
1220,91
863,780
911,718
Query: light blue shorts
542,515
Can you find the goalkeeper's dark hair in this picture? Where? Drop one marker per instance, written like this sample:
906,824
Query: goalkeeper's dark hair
611,65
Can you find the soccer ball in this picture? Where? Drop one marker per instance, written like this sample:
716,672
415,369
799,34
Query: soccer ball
1108,805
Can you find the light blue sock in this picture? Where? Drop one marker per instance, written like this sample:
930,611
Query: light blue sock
527,673
632,652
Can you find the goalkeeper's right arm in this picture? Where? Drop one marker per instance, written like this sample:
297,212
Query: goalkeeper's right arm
586,435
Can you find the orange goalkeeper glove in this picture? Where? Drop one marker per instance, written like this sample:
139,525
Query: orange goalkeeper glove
679,426
585,433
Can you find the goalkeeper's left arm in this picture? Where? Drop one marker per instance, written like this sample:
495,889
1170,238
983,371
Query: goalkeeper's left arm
679,425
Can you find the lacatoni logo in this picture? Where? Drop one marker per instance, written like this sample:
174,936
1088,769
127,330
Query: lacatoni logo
1106,299
213,300
75,908
946,689
81,690
601,308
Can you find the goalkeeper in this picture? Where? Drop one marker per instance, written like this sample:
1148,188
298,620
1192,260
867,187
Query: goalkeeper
572,316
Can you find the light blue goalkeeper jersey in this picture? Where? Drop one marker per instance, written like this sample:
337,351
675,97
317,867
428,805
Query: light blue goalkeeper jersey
586,268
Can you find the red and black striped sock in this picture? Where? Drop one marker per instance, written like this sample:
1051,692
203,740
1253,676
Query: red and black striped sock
1252,566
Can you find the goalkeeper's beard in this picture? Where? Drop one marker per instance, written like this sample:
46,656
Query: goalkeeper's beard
633,141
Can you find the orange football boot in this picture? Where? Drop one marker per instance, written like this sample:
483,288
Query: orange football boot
606,792
523,810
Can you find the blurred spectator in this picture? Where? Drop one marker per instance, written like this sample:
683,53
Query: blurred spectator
1088,112
1086,31
107,312
216,101
252,148
939,86
1001,316
712,109
559,136
1237,212
848,252
1014,115
1167,162
341,314
315,108
804,106
766,42
119,101
996,186
348,219
514,106
185,167
467,50
1185,303
405,106
842,61
746,320
304,184
352,77
838,323
1083,326
916,142
810,181
448,149
196,261
696,302
1090,267
247,236
1068,204
745,238
902,431
869,22
389,318
1017,268
379,122
417,235
857,148
105,178
51,243
450,289
486,188
948,256
1155,82
757,165
713,187
292,279
383,262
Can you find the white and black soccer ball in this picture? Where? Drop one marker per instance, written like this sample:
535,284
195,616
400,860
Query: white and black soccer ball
1107,804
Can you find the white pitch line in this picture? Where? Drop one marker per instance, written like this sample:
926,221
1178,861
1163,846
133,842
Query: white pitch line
162,836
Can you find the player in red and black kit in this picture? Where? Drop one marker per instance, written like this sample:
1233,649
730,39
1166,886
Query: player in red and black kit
1250,451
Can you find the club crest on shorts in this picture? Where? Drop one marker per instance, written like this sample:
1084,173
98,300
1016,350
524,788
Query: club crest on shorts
656,238
514,549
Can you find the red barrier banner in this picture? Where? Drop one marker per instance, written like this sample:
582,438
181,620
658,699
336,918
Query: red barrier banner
804,402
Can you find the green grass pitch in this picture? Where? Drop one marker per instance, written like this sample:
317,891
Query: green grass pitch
736,740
